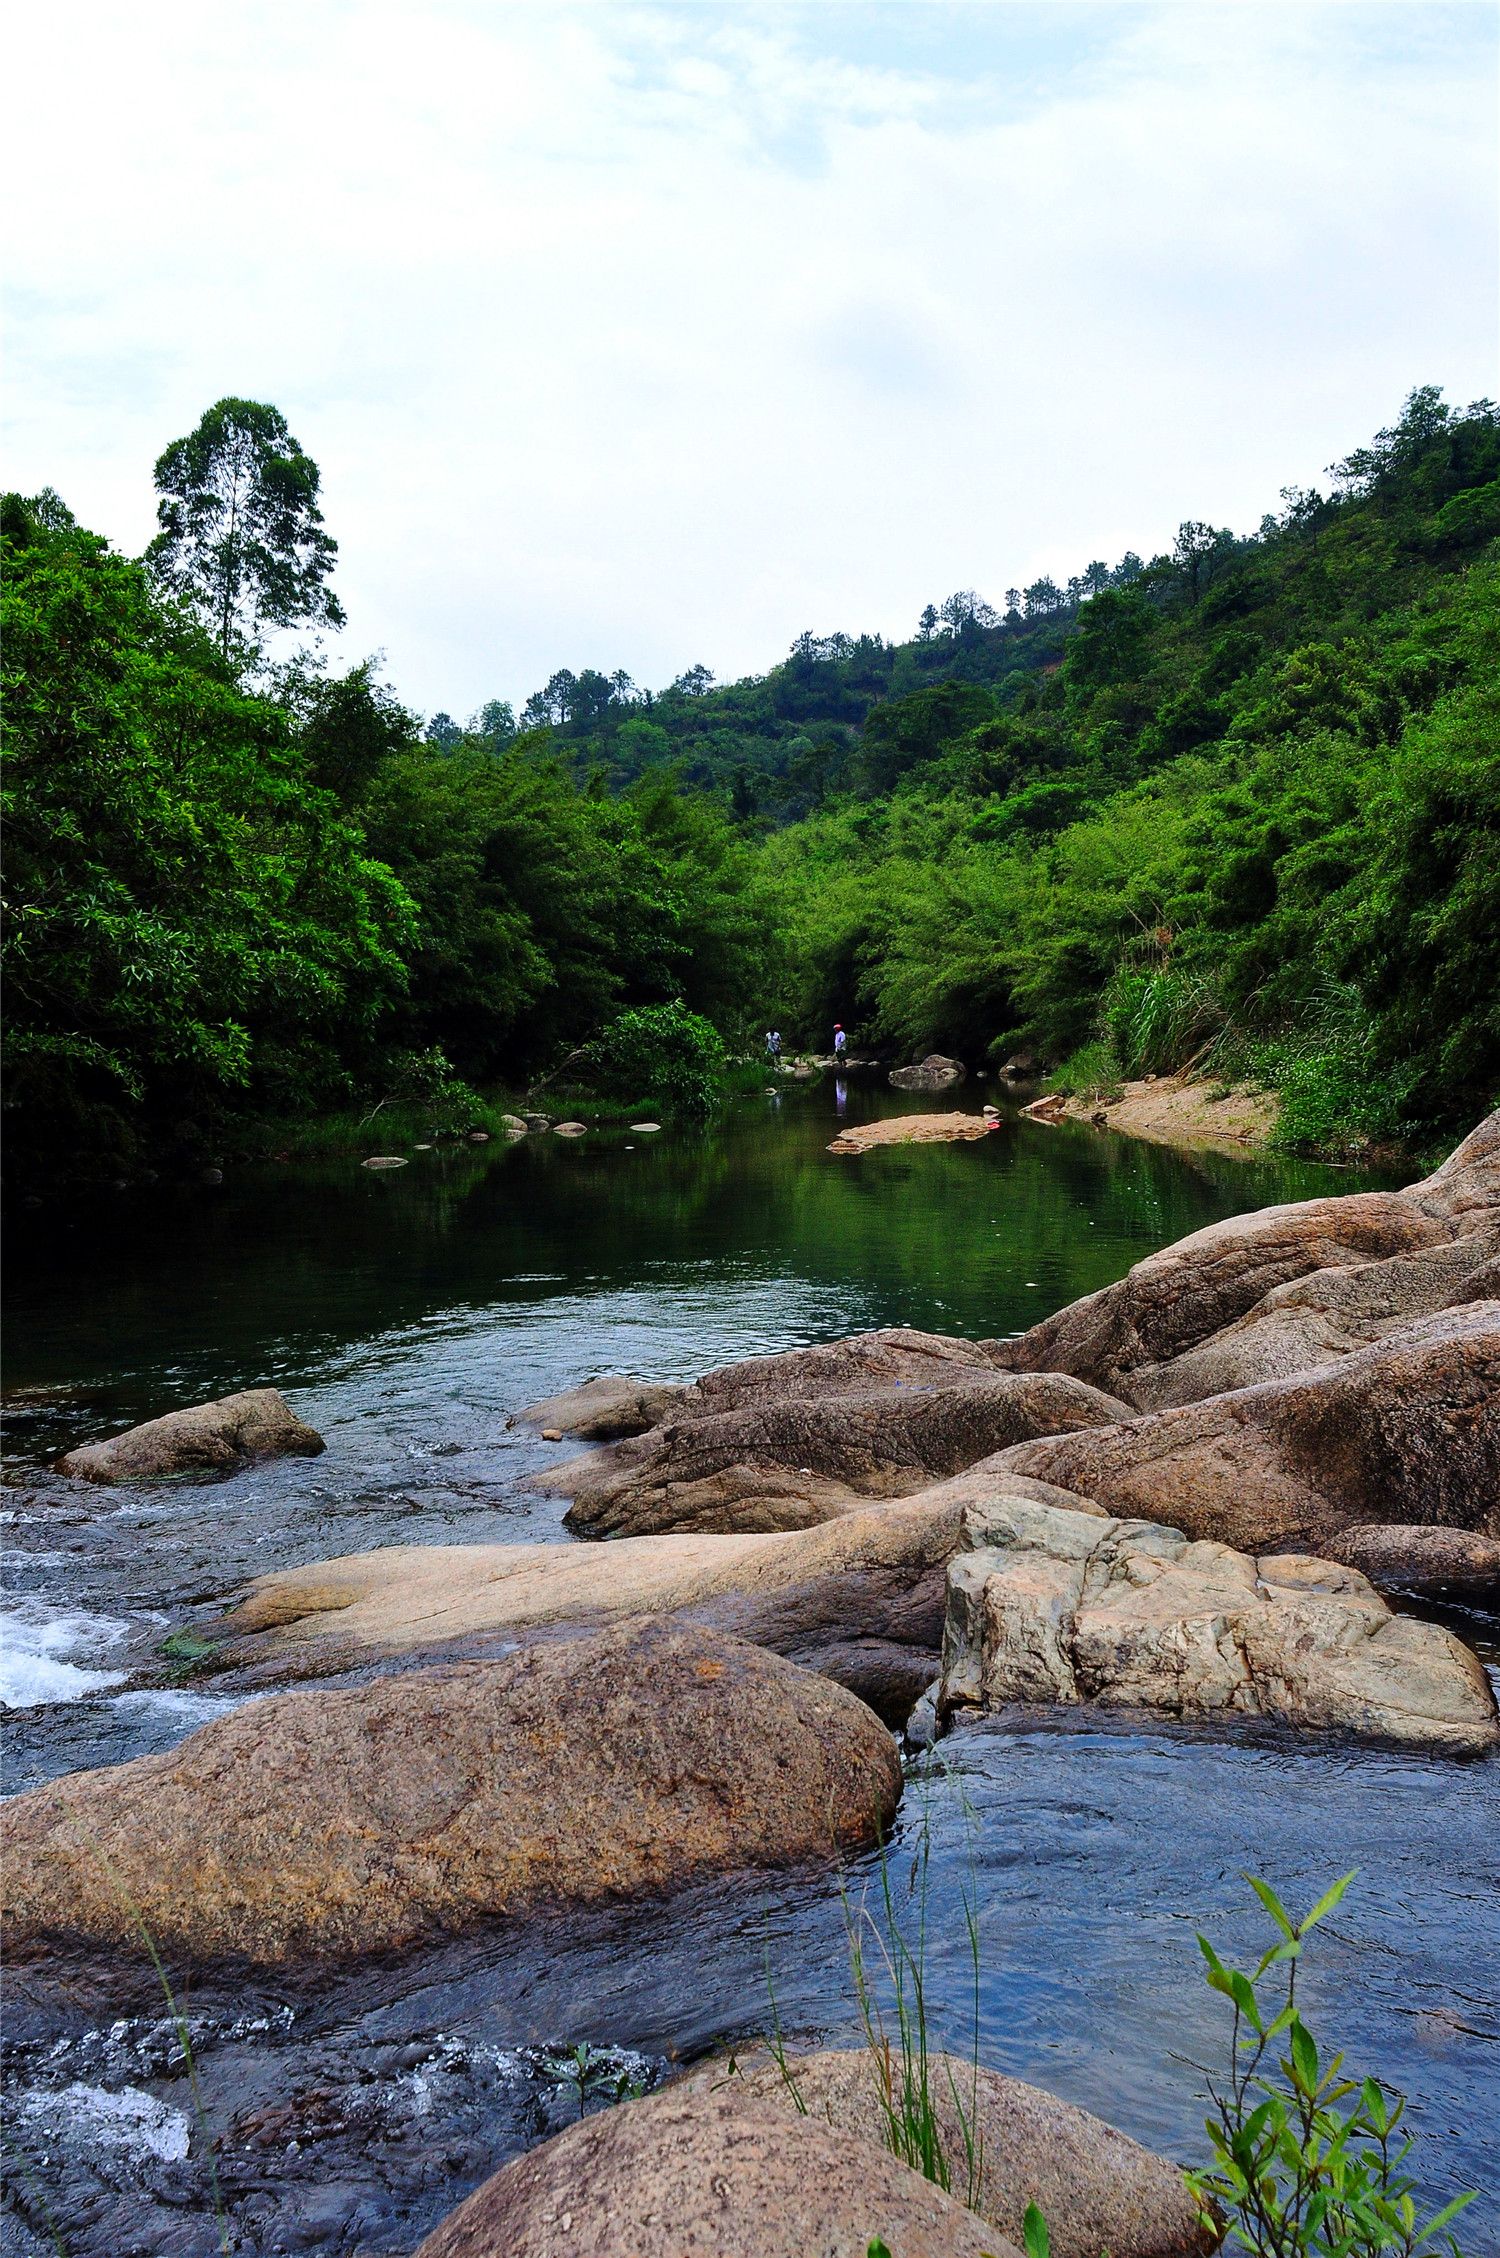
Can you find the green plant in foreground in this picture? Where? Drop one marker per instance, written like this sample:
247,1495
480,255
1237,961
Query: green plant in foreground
1307,2161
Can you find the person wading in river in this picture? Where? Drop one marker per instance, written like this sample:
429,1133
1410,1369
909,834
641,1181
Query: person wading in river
840,1043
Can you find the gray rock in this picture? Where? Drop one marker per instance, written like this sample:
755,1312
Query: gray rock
931,1073
219,1436
571,1129
1046,1605
383,1160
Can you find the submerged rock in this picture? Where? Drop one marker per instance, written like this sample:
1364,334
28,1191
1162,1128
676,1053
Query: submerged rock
914,1129
1045,1605
787,1464
1097,2189
714,2172
931,1073
1407,1430
230,1432
860,1598
339,1822
1176,1299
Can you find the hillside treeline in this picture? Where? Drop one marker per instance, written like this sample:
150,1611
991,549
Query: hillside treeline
1238,805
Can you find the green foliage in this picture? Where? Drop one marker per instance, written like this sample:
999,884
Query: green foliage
1238,805
1308,2160
663,1051
242,537
1092,1071
189,915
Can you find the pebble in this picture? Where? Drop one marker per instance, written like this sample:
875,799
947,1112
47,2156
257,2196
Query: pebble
384,1160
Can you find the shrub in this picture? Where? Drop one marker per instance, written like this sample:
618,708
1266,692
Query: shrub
1307,2161
664,1051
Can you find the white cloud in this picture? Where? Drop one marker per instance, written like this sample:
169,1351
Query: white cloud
632,336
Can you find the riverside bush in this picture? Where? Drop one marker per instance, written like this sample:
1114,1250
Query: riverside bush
1308,2161
663,1051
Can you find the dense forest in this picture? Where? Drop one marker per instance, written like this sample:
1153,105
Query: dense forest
1238,805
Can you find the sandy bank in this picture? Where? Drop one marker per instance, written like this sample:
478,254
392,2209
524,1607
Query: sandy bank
1174,1109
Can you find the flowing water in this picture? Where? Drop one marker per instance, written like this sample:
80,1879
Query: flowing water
407,1314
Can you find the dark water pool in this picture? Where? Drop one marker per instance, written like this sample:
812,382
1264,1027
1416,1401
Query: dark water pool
407,1314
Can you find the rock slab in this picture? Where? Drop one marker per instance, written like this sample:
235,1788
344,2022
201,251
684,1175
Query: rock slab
337,1822
216,1437
714,2175
1046,1605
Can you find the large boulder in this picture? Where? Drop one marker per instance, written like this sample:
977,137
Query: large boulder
934,1072
1097,2189
710,2173
1050,1606
213,1437
340,1822
790,1463
1177,1298
1407,1430
859,1598
601,1410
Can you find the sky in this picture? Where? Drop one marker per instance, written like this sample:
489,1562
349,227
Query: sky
645,336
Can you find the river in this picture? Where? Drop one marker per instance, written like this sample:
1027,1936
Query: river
407,1313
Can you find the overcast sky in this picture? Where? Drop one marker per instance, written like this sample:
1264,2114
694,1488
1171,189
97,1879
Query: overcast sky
637,336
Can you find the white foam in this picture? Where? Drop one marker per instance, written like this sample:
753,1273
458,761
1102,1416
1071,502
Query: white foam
129,2119
37,1646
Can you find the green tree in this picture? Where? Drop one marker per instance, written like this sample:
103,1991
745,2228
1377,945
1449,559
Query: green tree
242,538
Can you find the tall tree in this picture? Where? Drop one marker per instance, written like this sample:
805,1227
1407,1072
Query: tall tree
242,536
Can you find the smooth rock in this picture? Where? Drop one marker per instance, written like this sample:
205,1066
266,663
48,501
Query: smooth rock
339,1822
514,1123
1050,1606
1019,1065
646,1128
571,1129
1097,2189
1177,1298
230,1432
1407,1430
785,1465
1442,1563
692,2174
479,1136
931,1073
599,1410
860,1598
383,1160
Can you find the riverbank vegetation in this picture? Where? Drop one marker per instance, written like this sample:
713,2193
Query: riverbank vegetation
1236,805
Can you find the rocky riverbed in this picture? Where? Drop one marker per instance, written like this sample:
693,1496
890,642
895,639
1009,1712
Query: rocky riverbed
523,1782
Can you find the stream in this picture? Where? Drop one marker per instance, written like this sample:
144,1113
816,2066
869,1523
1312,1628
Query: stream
407,1314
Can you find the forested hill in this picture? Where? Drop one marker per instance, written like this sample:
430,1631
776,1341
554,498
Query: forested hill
1239,805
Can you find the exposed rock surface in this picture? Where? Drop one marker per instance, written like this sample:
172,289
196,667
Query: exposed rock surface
785,1465
1316,1320
1179,1109
339,1822
230,1432
1175,1299
1407,1430
599,1410
1444,1563
912,1129
934,1072
859,1598
1097,2188
713,2174
1050,1606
